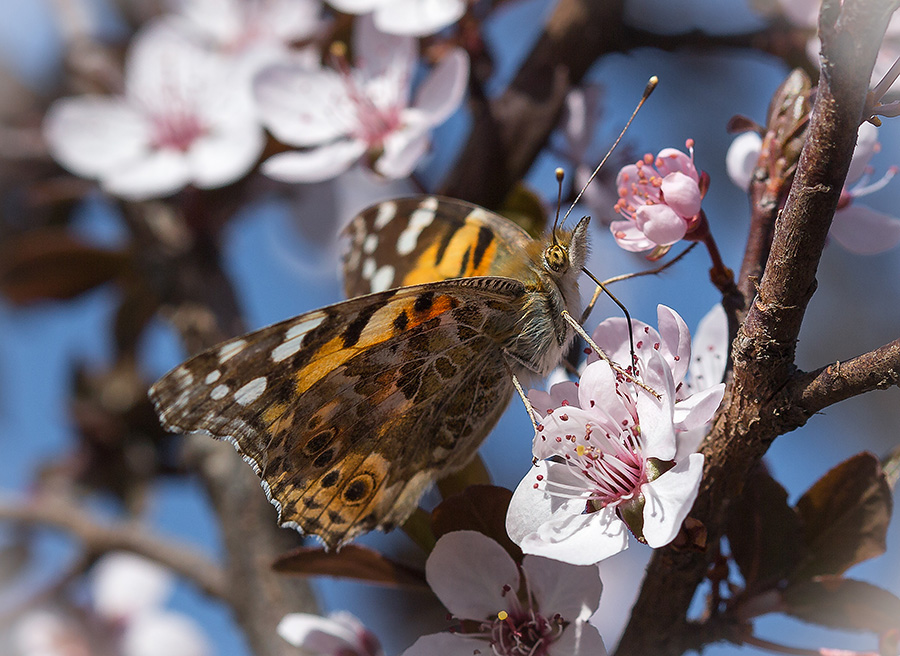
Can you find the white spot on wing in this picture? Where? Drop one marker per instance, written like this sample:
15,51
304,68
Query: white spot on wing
231,349
251,391
386,212
219,392
368,269
383,278
293,338
370,244
212,376
420,219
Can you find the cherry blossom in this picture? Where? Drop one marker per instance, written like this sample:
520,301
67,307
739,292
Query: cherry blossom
538,608
607,450
180,121
340,116
339,634
857,228
660,200
406,17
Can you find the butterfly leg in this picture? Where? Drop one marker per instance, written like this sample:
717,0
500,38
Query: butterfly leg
530,408
587,338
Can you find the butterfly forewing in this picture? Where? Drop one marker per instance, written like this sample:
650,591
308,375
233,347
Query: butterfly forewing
409,241
349,412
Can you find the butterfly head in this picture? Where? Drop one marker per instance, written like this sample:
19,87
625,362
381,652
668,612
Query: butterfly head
567,251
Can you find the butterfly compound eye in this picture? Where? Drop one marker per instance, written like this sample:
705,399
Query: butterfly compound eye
555,258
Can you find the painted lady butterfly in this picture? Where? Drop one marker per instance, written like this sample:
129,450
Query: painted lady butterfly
349,412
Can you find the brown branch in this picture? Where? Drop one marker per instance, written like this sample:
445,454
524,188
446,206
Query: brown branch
99,537
878,369
755,410
508,132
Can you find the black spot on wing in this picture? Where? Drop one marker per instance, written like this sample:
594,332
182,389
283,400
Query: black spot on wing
464,264
401,321
354,329
424,301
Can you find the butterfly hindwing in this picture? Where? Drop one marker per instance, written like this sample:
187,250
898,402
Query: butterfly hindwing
349,412
409,241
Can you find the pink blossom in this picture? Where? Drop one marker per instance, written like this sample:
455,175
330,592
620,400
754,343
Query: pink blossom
857,228
660,200
339,634
406,17
607,450
180,121
540,607
341,116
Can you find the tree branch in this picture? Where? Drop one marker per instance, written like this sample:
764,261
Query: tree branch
755,409
98,538
878,369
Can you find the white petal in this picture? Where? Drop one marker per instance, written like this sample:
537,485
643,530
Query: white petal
124,585
163,633
357,6
578,639
303,107
418,17
220,159
468,571
442,92
862,230
656,415
316,633
386,58
676,341
668,500
447,644
530,507
90,135
709,349
629,237
740,161
598,397
161,173
579,539
550,440
315,165
866,147
570,590
698,408
402,151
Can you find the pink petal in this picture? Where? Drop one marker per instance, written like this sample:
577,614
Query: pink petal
442,92
862,230
656,414
660,224
611,335
558,587
315,165
568,421
90,135
303,107
467,571
672,160
681,193
629,237
668,500
740,161
418,17
602,404
676,341
628,176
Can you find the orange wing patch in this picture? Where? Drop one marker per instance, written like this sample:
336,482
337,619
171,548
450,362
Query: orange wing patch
470,251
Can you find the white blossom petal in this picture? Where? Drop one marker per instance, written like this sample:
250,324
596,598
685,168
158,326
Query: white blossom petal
629,237
570,590
675,341
164,633
402,151
864,231
160,173
741,158
418,17
447,644
866,147
698,408
222,158
471,587
443,90
315,165
709,350
669,499
579,639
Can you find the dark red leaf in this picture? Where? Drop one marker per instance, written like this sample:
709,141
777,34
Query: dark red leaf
764,532
351,562
50,263
845,517
843,604
479,508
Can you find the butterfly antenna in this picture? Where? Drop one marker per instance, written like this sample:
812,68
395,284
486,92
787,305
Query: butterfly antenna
560,174
651,85
621,307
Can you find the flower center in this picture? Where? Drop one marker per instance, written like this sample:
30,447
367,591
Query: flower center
524,633
177,130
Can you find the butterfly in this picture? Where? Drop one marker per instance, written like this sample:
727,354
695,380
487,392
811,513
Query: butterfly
348,413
